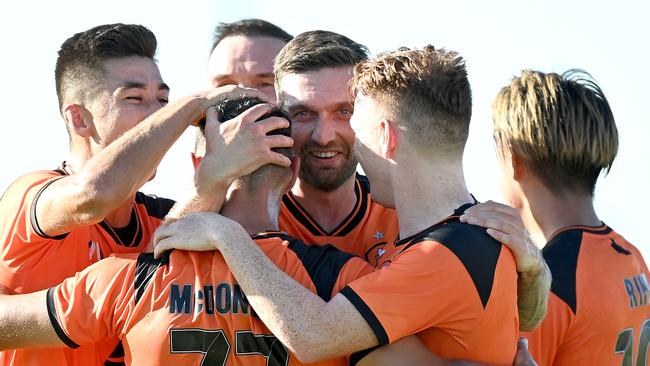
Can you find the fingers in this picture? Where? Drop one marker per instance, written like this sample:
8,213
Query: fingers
491,207
274,141
161,247
254,113
278,159
272,123
497,221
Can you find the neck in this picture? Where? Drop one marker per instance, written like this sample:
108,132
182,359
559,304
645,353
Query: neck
254,211
329,209
545,212
426,192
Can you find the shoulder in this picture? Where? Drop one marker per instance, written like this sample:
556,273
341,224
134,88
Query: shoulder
478,252
155,206
561,254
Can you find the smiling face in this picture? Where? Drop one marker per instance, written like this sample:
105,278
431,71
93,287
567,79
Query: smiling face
130,89
245,61
319,106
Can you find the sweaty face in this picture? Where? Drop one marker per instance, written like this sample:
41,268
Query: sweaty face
245,61
130,90
319,107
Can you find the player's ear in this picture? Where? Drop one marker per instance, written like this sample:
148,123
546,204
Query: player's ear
79,120
295,167
388,139
519,168
196,160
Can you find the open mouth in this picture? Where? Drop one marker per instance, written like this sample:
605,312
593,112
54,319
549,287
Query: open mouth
324,154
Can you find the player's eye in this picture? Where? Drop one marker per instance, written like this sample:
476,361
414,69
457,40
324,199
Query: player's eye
302,116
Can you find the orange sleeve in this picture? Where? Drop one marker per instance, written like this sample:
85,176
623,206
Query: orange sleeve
545,341
17,208
353,269
426,285
94,304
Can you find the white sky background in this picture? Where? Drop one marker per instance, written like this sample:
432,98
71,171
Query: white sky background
497,38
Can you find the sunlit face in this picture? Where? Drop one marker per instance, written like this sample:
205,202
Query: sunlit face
245,61
320,109
366,124
131,89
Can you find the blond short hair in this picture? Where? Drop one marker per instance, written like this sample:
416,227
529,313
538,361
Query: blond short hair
425,91
560,125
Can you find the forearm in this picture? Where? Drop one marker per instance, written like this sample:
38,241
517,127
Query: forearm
120,169
201,200
532,297
300,319
24,322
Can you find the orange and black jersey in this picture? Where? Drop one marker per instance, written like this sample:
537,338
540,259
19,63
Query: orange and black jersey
30,260
186,308
364,232
452,285
598,312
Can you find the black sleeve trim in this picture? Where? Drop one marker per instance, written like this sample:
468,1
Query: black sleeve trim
367,314
34,220
358,356
323,264
54,319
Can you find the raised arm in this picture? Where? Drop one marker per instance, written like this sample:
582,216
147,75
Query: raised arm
116,172
534,281
24,322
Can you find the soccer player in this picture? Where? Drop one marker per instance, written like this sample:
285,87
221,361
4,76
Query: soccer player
329,204
186,307
447,281
555,135
242,54
55,223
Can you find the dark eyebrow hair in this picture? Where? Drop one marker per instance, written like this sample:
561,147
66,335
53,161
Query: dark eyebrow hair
292,106
139,85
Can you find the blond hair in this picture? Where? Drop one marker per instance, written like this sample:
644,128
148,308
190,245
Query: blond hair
560,125
425,91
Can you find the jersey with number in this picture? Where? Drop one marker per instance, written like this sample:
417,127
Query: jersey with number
30,260
364,232
452,285
598,312
186,308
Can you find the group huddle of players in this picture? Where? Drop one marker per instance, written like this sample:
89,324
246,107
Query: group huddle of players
282,254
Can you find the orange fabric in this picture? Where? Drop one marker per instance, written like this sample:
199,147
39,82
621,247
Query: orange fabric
607,277
364,232
424,286
188,298
31,261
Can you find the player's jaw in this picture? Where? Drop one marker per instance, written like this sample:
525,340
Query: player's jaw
326,167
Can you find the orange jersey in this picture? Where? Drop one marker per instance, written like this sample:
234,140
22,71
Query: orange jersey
32,261
186,308
598,312
364,232
452,285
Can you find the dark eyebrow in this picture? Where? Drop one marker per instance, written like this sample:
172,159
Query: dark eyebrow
220,77
139,85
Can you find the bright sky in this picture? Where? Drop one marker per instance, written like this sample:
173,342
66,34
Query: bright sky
497,38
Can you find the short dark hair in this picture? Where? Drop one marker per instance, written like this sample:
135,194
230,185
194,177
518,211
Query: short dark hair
231,108
82,56
314,50
248,28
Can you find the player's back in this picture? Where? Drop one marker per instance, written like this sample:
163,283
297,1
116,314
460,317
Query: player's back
598,311
364,232
186,308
